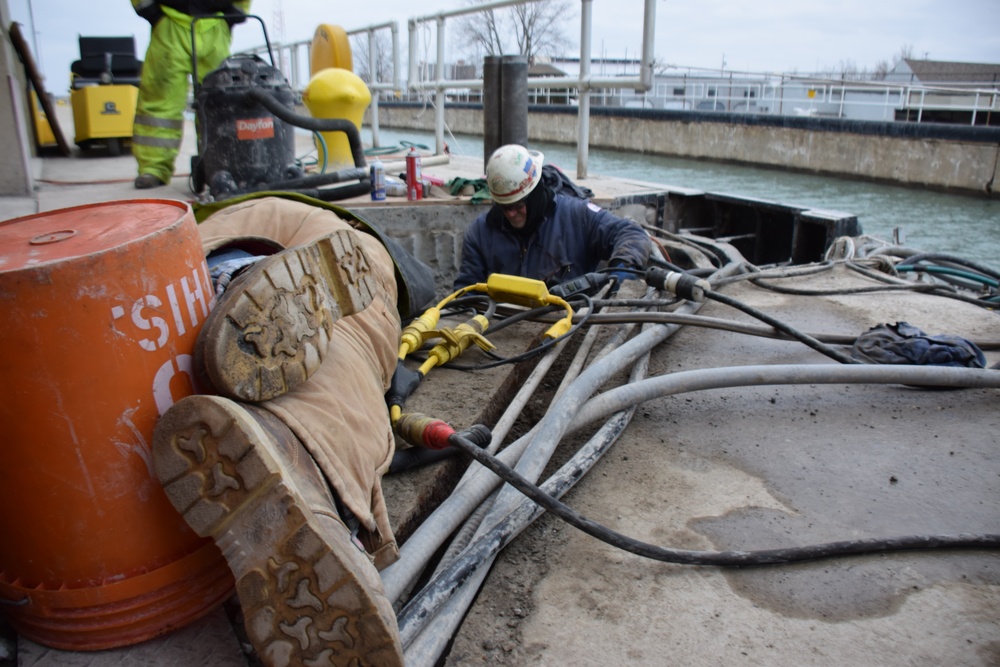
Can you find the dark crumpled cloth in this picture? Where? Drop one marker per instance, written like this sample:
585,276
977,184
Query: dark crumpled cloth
560,183
903,343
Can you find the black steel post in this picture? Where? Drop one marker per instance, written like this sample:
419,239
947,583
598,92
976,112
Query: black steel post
491,107
514,100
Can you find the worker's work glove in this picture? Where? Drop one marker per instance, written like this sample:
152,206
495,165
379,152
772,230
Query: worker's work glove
619,276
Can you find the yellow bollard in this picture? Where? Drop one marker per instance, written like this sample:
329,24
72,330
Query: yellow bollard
336,93
330,48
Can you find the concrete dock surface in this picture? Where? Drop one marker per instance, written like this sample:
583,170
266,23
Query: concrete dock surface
741,468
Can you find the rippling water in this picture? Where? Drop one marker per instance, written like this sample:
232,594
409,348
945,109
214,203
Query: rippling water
963,225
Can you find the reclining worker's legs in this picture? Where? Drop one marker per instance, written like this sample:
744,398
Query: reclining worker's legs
284,469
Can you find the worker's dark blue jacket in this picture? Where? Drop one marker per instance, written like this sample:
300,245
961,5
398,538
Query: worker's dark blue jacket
570,242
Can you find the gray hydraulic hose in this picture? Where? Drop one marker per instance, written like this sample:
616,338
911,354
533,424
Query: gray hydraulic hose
451,590
557,419
424,606
267,100
422,645
398,577
745,376
550,432
475,485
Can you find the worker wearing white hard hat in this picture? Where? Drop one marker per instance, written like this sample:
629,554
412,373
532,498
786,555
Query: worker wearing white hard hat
533,231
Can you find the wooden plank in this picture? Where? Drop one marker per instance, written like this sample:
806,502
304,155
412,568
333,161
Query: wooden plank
35,77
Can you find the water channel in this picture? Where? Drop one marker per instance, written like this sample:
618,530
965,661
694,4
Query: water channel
964,225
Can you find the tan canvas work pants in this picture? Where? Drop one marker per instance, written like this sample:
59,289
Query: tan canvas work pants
339,414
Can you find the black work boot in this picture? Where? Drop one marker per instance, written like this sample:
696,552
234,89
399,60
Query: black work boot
271,328
309,594
147,181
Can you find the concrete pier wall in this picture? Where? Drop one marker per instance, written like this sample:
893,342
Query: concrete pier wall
942,157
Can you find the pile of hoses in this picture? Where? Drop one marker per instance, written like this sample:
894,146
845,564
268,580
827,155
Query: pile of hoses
432,613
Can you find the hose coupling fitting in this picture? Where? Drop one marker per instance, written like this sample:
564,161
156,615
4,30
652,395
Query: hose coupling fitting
683,285
477,434
423,431
418,331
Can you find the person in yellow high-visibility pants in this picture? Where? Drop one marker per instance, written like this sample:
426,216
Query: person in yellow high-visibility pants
163,88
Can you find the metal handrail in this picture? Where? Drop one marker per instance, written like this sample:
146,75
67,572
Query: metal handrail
584,82
754,93
784,94
375,84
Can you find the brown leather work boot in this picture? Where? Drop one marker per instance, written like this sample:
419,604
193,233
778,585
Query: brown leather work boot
310,596
271,328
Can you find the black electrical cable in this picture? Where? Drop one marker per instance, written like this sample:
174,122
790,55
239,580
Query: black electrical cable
715,323
462,303
444,583
721,558
543,314
915,287
713,253
703,321
806,339
535,313
673,267
636,303
520,316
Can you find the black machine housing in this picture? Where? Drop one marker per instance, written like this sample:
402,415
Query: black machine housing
246,133
242,146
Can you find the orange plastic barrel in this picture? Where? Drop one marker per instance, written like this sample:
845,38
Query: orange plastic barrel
101,307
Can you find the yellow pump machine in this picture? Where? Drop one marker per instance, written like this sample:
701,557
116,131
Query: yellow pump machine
103,91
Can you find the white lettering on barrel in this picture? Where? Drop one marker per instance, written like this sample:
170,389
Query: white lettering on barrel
197,294
164,398
146,324
175,309
182,294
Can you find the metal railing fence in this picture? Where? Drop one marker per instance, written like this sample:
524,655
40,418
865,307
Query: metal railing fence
689,88
289,61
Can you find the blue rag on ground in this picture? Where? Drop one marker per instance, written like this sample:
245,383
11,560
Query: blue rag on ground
903,343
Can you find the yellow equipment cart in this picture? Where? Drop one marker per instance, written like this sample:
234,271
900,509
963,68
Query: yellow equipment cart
104,89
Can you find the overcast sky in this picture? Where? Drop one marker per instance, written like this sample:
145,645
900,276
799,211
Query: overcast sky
760,35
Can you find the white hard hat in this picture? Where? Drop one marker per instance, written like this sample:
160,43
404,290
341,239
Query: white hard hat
512,172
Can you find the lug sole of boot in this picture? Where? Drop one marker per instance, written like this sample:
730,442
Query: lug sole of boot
309,596
273,330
